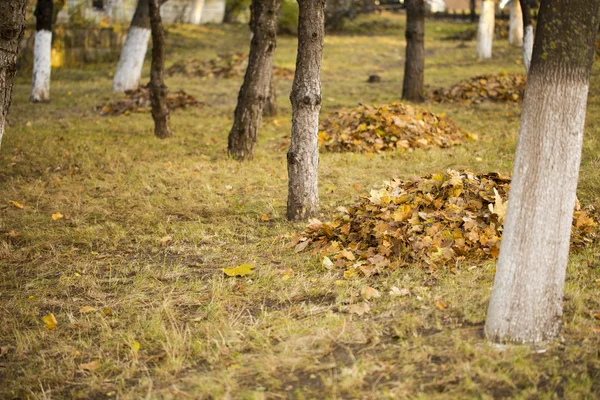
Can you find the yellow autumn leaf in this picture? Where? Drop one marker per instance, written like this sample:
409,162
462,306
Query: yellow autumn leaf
441,305
135,347
327,263
86,309
349,274
49,321
240,270
265,217
57,216
17,204
91,366
402,213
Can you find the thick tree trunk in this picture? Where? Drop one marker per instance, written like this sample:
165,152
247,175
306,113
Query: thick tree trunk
526,303
131,61
485,30
158,89
303,155
12,27
515,30
255,89
42,51
473,10
270,109
196,17
528,35
414,66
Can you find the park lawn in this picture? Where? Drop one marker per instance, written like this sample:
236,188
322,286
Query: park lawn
133,270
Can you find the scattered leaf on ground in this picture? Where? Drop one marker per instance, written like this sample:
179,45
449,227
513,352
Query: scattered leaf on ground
49,321
86,309
360,308
240,270
368,293
57,216
91,366
17,204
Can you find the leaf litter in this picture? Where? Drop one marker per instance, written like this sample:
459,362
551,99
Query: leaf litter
387,128
502,87
138,101
438,220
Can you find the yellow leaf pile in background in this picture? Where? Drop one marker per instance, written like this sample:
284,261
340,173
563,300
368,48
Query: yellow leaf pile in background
499,87
138,101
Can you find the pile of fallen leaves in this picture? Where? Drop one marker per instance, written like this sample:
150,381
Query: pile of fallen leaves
436,220
390,127
223,66
138,101
467,35
499,87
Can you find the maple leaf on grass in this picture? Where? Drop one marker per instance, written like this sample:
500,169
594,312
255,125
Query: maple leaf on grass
240,270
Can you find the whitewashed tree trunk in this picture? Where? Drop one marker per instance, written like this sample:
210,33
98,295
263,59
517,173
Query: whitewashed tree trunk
42,52
131,61
526,303
12,26
485,30
303,155
196,17
515,31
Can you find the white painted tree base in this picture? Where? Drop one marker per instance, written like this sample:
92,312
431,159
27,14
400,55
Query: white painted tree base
485,30
528,47
196,17
131,61
42,51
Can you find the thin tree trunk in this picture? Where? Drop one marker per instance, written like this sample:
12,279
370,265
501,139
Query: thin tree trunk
197,9
473,11
526,303
131,61
12,27
42,51
515,30
255,89
414,66
270,109
528,35
485,30
158,89
303,155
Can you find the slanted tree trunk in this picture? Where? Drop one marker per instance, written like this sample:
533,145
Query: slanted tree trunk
255,89
42,51
12,27
515,30
526,303
414,66
473,10
158,89
270,109
528,35
303,155
197,8
131,61
485,29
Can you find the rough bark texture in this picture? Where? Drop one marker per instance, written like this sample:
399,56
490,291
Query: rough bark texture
42,52
414,66
158,89
528,34
526,303
270,109
485,30
255,89
303,155
515,31
12,27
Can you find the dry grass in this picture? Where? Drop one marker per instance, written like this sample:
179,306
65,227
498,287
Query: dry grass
286,332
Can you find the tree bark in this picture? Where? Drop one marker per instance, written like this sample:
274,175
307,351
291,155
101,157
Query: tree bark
473,10
42,52
528,35
158,89
12,27
303,155
270,109
131,61
414,66
515,30
526,303
485,30
255,89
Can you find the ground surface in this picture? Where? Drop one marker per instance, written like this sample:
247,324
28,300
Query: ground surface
149,224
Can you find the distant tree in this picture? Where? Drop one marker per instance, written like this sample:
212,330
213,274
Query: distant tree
235,8
12,27
485,29
414,66
528,35
158,89
197,10
303,155
526,304
472,6
256,89
42,50
270,109
515,26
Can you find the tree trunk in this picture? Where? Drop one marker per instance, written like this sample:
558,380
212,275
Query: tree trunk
131,61
485,30
12,27
255,89
303,155
158,89
473,10
197,9
270,109
42,51
515,30
528,36
526,303
414,66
